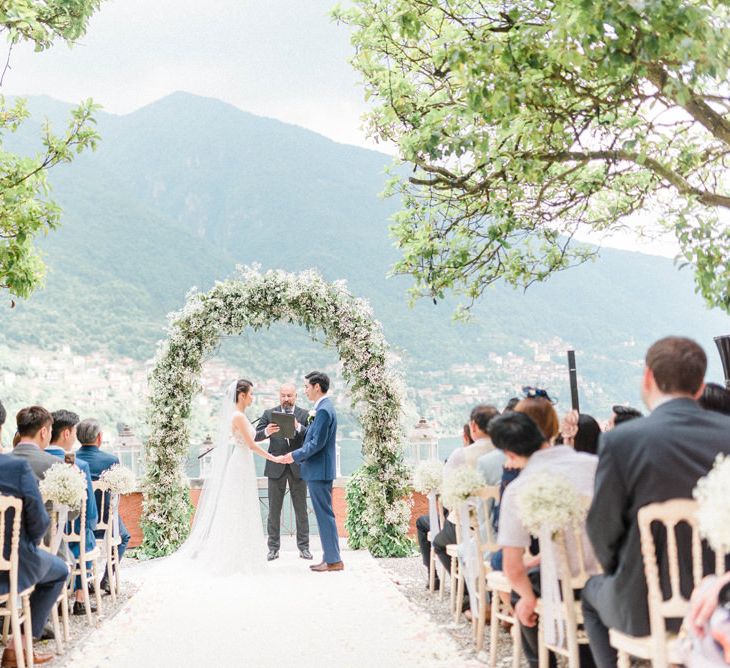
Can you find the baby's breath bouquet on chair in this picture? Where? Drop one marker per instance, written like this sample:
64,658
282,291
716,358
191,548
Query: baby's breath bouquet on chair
428,476
713,501
458,486
550,502
64,484
546,505
118,479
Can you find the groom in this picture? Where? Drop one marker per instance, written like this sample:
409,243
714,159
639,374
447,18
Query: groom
318,467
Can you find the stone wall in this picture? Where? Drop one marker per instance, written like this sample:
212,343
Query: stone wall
131,510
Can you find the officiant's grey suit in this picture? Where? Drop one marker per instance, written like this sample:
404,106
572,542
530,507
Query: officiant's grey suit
280,475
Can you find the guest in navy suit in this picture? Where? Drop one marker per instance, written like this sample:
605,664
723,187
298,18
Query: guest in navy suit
89,435
318,464
36,568
63,438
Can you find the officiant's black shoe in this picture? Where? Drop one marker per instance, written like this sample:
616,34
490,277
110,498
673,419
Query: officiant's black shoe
80,608
273,554
305,554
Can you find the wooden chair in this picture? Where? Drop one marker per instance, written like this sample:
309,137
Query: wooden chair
14,606
59,522
660,647
434,564
497,585
570,614
485,541
109,543
457,575
78,566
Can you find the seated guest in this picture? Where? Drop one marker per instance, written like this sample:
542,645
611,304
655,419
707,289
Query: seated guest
466,436
656,458
621,414
540,408
715,398
581,431
89,435
708,624
34,434
36,567
526,447
63,438
466,456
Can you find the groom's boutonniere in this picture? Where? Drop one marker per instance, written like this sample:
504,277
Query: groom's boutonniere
310,417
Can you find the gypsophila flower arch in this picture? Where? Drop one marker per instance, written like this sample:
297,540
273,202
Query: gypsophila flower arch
378,518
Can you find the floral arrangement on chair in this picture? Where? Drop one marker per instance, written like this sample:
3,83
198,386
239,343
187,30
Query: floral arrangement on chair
118,479
64,484
459,485
713,503
428,477
550,502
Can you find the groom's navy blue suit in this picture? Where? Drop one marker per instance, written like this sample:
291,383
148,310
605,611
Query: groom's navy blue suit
318,464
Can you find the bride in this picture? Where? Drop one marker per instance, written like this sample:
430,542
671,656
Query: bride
227,535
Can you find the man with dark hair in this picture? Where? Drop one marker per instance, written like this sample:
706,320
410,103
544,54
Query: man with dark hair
47,573
3,417
656,458
63,438
525,447
466,456
715,398
34,429
621,414
319,378
318,466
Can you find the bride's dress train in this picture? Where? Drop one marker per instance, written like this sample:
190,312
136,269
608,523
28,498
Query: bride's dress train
229,538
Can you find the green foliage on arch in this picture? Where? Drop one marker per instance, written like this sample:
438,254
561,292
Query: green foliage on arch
256,300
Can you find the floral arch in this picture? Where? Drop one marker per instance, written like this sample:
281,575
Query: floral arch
378,509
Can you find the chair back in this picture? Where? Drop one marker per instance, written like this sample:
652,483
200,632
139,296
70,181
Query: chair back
74,536
11,510
480,513
108,504
58,528
574,567
670,514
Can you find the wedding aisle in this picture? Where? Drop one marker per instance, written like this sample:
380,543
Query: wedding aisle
287,617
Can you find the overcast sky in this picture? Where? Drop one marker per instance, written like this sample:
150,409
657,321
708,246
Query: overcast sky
283,59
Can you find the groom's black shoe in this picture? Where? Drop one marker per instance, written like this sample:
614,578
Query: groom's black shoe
305,554
273,554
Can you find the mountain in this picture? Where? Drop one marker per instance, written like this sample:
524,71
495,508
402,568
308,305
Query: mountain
181,191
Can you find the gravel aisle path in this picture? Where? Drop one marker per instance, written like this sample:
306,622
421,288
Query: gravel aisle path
287,617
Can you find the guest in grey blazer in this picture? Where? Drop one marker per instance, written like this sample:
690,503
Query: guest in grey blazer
644,461
34,425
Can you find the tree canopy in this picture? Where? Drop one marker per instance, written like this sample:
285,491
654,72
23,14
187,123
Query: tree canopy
26,209
528,121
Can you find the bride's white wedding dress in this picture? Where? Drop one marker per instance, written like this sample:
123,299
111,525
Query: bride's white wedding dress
228,538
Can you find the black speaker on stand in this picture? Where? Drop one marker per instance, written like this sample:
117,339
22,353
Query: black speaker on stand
723,346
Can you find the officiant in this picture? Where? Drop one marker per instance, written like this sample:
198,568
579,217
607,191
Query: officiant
281,475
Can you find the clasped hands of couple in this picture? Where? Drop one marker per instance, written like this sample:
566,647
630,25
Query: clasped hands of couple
280,459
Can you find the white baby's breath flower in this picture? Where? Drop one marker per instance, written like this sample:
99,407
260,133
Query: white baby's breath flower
428,476
459,485
119,479
64,484
713,500
548,501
